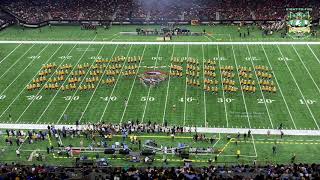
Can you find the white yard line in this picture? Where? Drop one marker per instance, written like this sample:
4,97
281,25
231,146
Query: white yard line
115,85
10,53
61,143
247,156
243,97
204,93
185,91
224,97
209,38
53,74
217,141
20,73
244,100
18,77
134,81
163,43
306,68
115,34
115,37
168,87
47,107
83,79
313,53
294,124
287,140
145,107
104,72
315,121
23,142
264,99
17,61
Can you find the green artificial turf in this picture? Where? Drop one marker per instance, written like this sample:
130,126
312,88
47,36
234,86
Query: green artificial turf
215,33
305,149
295,106
295,71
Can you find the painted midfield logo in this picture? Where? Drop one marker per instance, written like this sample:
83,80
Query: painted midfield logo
153,78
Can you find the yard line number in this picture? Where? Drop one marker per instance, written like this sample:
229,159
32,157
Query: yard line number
71,98
188,99
2,97
253,58
143,98
95,57
307,101
284,59
34,97
219,58
109,98
157,58
34,57
227,100
262,101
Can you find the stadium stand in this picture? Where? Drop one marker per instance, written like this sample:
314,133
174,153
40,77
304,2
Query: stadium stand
294,171
14,171
5,19
2,22
39,11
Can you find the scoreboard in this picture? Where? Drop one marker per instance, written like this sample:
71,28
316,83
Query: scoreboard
299,20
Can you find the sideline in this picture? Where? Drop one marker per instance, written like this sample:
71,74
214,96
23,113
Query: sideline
193,129
165,43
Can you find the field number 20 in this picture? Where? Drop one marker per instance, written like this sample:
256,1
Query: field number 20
73,98
34,97
307,101
262,101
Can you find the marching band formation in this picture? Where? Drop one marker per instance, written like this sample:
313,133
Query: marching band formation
105,72
211,84
84,76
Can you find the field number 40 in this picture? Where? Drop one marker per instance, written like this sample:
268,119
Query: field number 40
111,98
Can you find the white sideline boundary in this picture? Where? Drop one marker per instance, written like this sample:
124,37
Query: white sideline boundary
165,43
198,129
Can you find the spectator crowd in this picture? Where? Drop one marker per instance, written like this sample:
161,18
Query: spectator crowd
35,11
294,171
254,171
4,18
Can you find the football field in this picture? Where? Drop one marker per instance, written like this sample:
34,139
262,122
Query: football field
177,99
